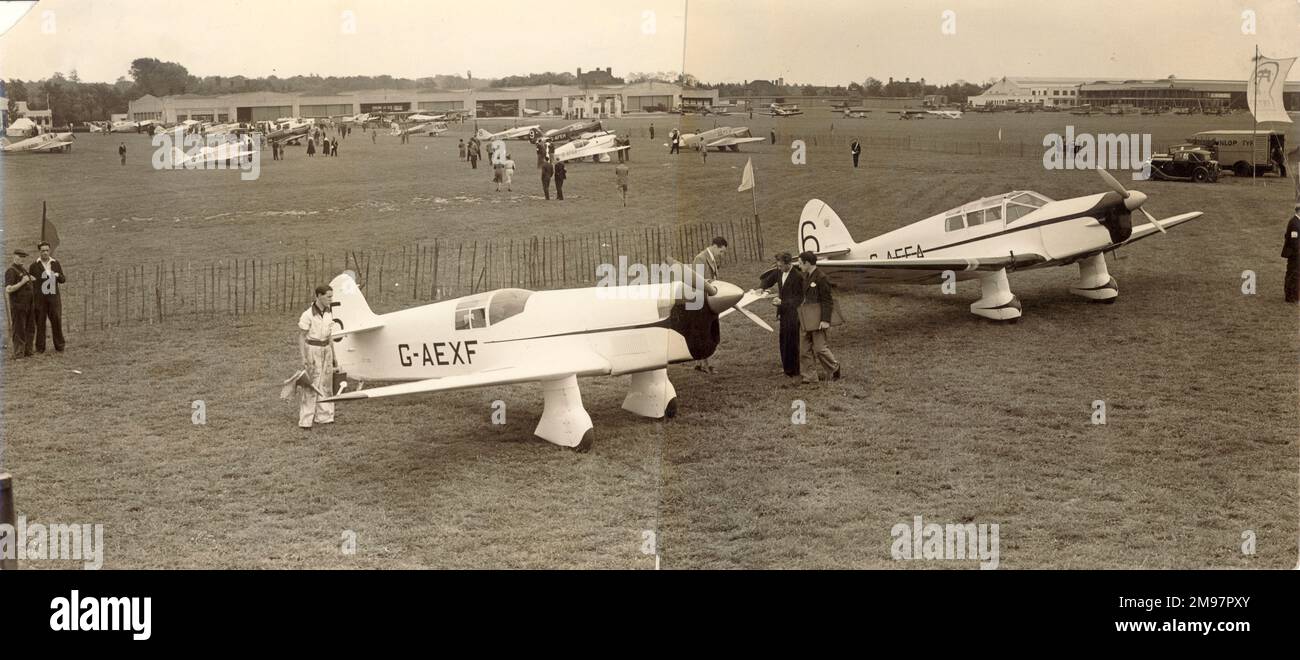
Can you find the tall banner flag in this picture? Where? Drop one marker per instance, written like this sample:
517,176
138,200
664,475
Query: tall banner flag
747,179
49,233
1264,89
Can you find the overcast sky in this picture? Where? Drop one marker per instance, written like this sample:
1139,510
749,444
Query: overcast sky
813,41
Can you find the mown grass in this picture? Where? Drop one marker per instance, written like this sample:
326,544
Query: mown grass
941,415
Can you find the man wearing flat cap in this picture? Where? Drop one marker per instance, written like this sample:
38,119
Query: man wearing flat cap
22,299
786,282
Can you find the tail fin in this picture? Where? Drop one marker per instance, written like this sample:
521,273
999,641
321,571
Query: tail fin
482,134
821,231
397,129
351,312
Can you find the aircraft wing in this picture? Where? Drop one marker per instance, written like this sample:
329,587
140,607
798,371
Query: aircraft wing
1142,231
729,141
556,366
587,152
893,268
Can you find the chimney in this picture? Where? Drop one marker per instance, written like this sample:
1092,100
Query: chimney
609,70
579,72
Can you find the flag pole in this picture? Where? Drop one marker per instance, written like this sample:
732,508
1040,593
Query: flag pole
42,221
1254,116
758,227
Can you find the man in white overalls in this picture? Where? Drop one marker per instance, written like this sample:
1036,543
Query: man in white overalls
317,326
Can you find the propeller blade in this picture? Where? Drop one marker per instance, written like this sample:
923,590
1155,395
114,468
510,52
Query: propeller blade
755,318
1113,183
1153,220
750,296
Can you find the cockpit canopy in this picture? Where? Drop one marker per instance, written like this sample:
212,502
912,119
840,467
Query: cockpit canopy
1009,207
493,308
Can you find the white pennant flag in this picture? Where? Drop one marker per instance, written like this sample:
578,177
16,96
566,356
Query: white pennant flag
1264,89
747,179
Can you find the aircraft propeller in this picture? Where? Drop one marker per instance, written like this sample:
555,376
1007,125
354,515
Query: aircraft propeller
1133,199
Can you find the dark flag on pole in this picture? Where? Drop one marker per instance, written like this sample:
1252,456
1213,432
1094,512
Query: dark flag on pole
49,233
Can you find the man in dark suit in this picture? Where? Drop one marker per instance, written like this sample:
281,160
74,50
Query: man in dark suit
787,282
856,150
20,287
548,171
1291,252
707,266
560,175
815,313
48,273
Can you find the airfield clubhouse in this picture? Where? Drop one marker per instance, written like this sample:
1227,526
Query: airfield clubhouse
558,100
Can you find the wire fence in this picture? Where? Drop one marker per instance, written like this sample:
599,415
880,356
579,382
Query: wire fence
392,278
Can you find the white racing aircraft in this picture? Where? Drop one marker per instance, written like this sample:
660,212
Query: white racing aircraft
988,238
222,153
593,145
520,133
512,336
720,138
43,143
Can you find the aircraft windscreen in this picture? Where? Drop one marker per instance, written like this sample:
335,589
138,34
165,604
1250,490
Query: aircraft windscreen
506,303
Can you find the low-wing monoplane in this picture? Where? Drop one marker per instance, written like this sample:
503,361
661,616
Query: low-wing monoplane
519,133
988,238
513,336
43,143
720,138
572,131
591,145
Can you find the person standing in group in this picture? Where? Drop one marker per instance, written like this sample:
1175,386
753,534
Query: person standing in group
627,142
311,148
49,279
620,176
856,150
1291,252
498,172
472,154
121,152
548,171
334,148
622,153
560,174
22,298
786,281
815,314
706,265
325,146
509,172
316,328
674,141
541,153
460,149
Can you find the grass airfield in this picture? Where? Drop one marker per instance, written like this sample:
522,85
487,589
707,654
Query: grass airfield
941,415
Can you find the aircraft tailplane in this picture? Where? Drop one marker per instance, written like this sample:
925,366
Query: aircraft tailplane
821,230
351,311
482,134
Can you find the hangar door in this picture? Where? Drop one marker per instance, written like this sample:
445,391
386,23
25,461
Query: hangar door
497,108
